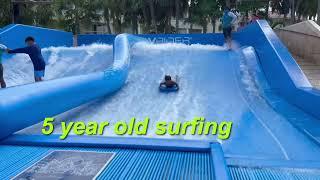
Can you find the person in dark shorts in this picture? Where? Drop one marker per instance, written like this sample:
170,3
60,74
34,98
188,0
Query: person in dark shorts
34,52
2,82
228,19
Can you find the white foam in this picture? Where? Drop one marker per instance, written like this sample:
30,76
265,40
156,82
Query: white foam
248,79
144,46
61,62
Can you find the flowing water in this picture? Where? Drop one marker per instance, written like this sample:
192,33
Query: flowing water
214,83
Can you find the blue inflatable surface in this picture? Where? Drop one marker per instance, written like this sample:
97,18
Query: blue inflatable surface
13,36
281,70
217,39
218,84
56,96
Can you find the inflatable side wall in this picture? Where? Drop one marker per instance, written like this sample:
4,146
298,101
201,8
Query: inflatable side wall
26,105
13,36
86,39
281,70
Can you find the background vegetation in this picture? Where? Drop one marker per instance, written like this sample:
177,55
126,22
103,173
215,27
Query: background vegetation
154,15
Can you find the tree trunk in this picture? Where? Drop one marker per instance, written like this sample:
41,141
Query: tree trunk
267,9
293,12
167,28
133,29
177,5
76,27
77,24
298,3
146,17
134,23
204,28
246,20
108,26
213,22
108,21
189,18
16,13
228,3
119,25
318,12
153,16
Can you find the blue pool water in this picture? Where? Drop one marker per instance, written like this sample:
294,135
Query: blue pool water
216,84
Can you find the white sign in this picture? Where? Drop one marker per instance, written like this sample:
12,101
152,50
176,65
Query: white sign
160,40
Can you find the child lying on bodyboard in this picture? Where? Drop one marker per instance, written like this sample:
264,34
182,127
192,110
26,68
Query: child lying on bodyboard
168,84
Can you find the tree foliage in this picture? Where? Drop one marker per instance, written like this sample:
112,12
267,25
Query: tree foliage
5,12
154,16
72,13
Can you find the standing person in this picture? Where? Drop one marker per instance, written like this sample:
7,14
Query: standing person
34,52
2,82
228,19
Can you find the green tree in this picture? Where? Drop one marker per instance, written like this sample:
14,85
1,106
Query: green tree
72,13
215,11
253,6
165,12
151,5
132,10
106,14
30,13
280,6
178,13
26,12
116,14
298,8
202,14
295,6
307,9
43,15
5,12
201,11
198,14
180,8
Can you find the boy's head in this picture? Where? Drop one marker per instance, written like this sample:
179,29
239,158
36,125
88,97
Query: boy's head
167,78
29,41
226,9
